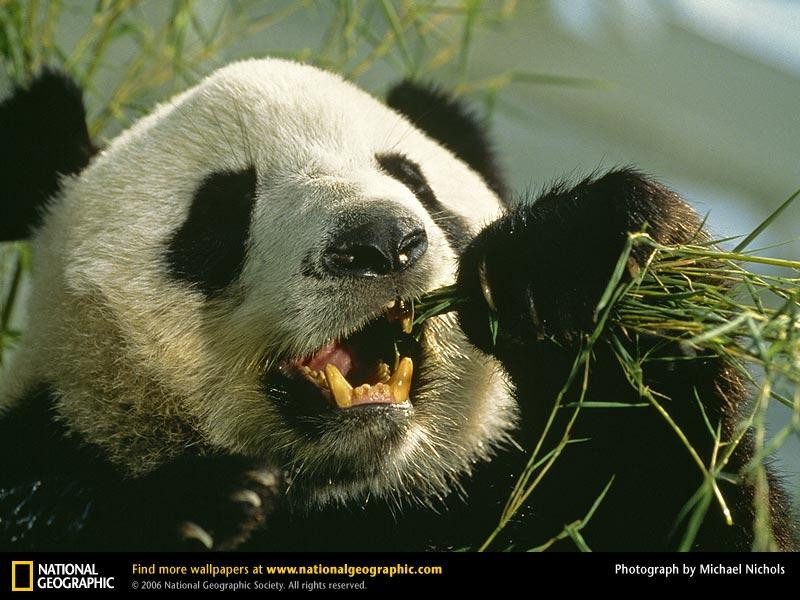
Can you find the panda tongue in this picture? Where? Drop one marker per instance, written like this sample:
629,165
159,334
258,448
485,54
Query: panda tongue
332,354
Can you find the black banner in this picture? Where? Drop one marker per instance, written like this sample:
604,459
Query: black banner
260,573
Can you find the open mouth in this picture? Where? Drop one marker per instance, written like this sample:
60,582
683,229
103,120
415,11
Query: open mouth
372,367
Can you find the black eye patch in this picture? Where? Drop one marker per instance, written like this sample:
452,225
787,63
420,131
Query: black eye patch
208,250
407,172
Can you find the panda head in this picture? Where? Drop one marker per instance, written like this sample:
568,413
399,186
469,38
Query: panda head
222,274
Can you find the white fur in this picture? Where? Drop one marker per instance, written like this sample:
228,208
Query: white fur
143,366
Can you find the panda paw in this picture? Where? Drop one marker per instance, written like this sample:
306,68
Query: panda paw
236,509
543,266
191,503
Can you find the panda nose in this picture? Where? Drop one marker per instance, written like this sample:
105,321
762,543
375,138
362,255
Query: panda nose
378,247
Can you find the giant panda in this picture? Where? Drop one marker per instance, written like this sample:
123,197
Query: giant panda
216,354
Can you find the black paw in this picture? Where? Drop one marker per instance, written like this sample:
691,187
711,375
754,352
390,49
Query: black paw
234,507
542,268
192,503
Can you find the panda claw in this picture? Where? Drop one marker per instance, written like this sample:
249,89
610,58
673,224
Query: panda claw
485,288
247,496
264,478
192,531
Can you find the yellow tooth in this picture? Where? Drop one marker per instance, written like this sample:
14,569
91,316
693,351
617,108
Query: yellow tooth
319,378
384,373
400,381
311,373
341,390
405,324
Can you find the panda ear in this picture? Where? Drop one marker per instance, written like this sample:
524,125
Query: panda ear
453,125
43,136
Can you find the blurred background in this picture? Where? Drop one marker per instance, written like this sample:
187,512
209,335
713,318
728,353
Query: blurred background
702,94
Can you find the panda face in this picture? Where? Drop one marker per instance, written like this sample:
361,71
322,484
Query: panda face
227,269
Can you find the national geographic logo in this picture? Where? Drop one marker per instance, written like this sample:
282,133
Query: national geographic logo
27,576
21,575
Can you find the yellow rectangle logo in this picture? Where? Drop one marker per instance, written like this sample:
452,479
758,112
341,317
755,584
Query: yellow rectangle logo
21,575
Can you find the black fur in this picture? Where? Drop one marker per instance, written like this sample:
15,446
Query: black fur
60,493
48,477
44,136
449,122
549,261
547,264
407,172
208,251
